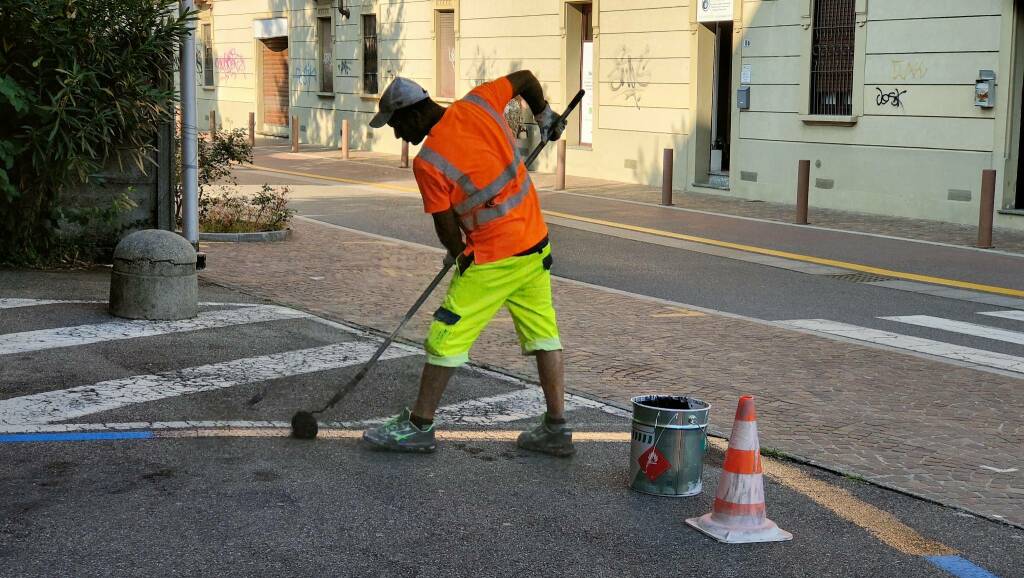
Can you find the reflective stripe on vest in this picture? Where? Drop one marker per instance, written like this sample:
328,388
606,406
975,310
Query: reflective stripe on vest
478,197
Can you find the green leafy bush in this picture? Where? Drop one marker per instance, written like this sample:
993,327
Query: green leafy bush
232,212
82,82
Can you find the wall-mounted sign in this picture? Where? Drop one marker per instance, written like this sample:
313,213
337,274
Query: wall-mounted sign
270,28
714,10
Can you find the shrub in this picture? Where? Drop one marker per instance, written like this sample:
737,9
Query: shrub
82,82
231,212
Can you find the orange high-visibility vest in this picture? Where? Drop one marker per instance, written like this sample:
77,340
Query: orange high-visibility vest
469,162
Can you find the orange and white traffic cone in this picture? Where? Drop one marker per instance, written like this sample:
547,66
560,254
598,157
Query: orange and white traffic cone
738,515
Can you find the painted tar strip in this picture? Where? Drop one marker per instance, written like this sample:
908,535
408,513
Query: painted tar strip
959,567
76,436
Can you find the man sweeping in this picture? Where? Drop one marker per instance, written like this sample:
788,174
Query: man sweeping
487,215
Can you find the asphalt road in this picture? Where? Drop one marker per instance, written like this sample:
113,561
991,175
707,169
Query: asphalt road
719,283
243,506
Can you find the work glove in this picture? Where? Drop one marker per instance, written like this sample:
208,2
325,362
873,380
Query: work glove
449,259
551,127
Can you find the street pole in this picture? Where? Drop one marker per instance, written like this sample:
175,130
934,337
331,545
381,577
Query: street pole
189,134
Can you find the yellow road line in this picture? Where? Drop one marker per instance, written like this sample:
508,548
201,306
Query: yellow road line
714,242
796,256
879,523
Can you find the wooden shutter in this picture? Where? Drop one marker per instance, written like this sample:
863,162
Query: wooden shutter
446,54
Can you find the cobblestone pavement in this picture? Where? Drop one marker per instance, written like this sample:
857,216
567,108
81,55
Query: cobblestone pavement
919,229
909,423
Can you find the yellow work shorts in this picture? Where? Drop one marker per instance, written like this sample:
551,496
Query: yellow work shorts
522,284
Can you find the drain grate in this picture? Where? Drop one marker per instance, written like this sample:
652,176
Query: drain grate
862,278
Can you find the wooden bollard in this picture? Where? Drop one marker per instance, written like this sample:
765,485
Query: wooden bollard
803,184
295,134
666,177
560,166
344,138
988,202
405,155
252,129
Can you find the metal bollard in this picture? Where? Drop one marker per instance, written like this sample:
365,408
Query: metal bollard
252,129
213,125
666,178
295,134
803,183
344,138
988,202
560,166
405,155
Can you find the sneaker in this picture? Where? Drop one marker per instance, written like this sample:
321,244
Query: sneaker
398,434
553,439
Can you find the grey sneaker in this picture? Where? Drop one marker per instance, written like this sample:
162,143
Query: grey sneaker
548,438
398,434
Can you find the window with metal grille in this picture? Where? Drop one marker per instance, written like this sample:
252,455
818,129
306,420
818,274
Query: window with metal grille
325,52
446,54
370,53
832,57
206,36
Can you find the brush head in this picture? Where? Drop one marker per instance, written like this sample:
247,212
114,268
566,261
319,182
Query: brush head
304,426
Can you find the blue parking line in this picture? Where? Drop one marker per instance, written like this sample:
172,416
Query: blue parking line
76,436
960,567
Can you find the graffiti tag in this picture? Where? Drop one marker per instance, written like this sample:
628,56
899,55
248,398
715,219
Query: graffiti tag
631,75
304,75
892,98
344,67
231,64
903,70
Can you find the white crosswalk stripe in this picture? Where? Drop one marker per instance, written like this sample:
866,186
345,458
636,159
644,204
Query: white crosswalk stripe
1016,314
62,405
971,355
961,327
116,330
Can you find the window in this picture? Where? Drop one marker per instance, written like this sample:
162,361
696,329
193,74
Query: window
832,57
370,53
206,40
445,56
325,52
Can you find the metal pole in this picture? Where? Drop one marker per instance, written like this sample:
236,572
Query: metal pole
295,134
803,183
189,134
252,129
560,166
405,155
344,138
666,178
213,125
988,201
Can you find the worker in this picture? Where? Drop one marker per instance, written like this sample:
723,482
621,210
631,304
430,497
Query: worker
487,215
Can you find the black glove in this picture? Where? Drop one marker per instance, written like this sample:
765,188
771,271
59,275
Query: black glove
551,126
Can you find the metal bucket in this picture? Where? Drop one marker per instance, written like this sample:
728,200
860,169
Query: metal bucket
669,441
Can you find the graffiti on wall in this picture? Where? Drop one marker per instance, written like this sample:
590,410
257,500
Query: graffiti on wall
631,74
344,67
304,75
908,70
230,64
893,98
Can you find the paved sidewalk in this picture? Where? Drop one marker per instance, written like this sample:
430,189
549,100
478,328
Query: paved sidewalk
902,421
918,229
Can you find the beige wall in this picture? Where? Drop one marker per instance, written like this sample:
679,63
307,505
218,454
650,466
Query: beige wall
652,85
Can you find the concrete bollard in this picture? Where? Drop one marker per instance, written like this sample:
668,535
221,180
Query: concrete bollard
344,139
803,183
252,129
988,202
405,155
213,125
154,277
666,178
295,134
560,166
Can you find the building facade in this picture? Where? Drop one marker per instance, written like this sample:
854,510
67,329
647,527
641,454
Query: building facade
898,104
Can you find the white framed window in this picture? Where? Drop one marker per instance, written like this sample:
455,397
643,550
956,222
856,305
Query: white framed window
325,49
370,69
206,52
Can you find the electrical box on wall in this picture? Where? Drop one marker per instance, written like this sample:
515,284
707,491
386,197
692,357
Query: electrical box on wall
743,98
985,89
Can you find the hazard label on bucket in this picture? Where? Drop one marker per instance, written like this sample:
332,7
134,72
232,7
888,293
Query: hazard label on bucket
653,463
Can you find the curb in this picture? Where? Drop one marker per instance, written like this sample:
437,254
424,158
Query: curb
264,236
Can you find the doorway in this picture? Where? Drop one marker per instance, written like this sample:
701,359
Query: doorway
274,85
579,59
721,105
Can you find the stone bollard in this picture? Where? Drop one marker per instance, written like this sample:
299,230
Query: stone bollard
154,277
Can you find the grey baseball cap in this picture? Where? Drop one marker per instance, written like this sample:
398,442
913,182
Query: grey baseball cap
401,93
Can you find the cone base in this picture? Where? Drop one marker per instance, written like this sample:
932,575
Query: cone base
764,532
